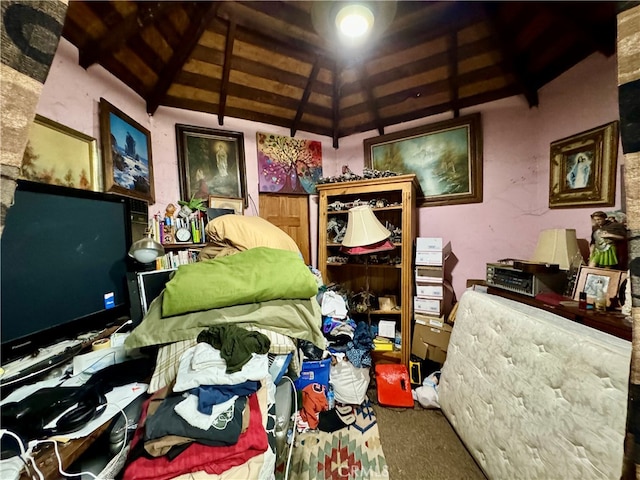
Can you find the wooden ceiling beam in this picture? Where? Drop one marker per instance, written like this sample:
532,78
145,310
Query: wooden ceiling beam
305,97
422,65
453,72
204,13
335,124
256,95
247,19
122,32
370,102
226,69
514,63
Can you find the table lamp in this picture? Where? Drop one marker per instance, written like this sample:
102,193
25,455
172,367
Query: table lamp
147,249
558,246
365,235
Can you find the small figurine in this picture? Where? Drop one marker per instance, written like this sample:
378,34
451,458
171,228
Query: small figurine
170,210
606,235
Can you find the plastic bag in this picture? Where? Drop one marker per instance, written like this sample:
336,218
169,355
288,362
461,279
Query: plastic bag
427,393
350,383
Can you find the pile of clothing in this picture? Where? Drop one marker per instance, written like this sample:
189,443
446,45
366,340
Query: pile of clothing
211,418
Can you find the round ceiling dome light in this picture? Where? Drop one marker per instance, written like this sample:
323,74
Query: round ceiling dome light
354,21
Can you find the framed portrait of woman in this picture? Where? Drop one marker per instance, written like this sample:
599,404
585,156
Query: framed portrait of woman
211,162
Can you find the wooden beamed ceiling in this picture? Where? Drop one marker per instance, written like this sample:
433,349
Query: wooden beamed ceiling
264,61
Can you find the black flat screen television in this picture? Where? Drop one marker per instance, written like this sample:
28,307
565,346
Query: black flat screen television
64,263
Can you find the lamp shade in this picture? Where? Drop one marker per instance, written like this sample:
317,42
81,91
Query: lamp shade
363,228
557,246
146,250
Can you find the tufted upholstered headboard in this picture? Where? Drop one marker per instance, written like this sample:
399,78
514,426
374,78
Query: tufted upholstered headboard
534,395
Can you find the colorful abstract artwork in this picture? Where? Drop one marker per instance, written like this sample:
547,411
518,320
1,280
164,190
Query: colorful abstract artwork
288,165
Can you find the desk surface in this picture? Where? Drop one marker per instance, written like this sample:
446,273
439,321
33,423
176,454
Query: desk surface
69,452
611,322
45,456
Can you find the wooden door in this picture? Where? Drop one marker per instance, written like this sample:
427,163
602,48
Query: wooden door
291,214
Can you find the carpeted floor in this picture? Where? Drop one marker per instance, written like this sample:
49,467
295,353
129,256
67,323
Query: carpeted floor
419,443
385,443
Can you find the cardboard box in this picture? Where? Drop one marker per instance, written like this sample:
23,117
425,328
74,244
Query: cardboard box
429,243
431,343
429,320
431,257
430,290
427,305
428,352
437,337
429,274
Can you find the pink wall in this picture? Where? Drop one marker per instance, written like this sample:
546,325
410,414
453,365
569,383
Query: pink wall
516,154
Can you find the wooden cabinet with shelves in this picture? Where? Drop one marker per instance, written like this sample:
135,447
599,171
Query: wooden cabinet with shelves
393,200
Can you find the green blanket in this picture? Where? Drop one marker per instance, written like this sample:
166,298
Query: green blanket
296,318
255,275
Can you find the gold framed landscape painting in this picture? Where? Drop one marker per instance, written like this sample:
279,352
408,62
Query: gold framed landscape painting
583,168
59,155
445,156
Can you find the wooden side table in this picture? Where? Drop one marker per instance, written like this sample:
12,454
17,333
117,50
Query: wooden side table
611,322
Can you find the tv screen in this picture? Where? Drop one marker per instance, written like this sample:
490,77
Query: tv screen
63,255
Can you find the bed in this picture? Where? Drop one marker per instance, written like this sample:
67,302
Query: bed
251,287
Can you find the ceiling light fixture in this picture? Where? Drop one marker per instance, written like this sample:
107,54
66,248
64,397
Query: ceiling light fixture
354,21
352,24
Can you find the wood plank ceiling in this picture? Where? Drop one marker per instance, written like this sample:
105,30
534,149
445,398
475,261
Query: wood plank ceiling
264,61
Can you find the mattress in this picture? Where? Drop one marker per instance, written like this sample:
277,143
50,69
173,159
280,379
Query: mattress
534,395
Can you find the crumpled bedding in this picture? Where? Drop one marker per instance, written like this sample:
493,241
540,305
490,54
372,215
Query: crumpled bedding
295,318
256,275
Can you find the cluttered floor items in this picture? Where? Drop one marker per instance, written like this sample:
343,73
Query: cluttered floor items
351,452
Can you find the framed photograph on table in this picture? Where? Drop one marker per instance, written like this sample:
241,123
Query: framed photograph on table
445,156
588,278
583,168
235,204
126,154
59,155
211,162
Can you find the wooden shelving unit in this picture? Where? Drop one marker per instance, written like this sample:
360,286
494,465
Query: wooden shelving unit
389,273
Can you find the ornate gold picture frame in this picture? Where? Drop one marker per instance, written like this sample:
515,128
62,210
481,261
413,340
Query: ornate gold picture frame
583,168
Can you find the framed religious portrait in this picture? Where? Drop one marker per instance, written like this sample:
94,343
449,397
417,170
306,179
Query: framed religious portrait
583,168
211,162
445,156
126,154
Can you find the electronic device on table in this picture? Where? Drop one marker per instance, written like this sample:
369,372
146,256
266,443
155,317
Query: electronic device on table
64,264
526,278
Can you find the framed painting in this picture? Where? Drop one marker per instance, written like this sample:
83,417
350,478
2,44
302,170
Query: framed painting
583,168
288,165
59,155
211,162
445,156
588,278
126,154
235,204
